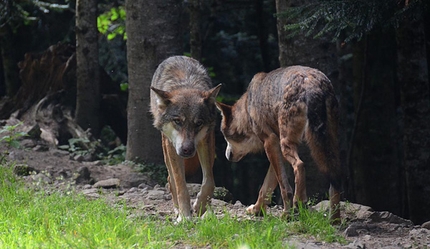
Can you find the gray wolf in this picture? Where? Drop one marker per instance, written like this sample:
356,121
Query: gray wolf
183,107
278,111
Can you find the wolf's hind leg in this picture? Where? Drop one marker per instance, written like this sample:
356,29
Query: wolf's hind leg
292,124
206,153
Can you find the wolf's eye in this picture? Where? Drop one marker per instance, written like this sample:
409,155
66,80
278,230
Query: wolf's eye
177,121
199,123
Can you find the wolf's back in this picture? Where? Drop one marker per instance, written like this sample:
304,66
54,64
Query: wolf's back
180,71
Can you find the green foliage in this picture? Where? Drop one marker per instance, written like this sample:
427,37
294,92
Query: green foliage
12,136
123,87
79,146
112,23
157,172
314,223
37,219
349,18
14,13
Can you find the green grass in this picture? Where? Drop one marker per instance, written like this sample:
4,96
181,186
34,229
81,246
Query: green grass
36,219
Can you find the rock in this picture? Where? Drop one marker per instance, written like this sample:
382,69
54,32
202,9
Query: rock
78,158
40,148
156,194
28,143
23,170
33,131
426,225
223,194
193,189
238,204
108,183
60,153
41,178
88,158
83,175
92,192
389,217
144,186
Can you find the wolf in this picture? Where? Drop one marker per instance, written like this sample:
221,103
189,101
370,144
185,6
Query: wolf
279,110
183,108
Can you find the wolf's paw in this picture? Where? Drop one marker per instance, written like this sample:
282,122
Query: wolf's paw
256,210
199,209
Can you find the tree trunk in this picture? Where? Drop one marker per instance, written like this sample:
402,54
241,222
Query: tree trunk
415,100
195,34
153,34
374,158
87,113
9,61
262,34
281,7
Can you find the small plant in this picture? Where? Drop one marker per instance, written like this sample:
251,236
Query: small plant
114,156
12,136
157,172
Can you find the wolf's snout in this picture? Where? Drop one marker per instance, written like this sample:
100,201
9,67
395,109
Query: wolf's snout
187,150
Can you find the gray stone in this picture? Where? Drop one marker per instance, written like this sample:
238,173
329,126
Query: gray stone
426,225
108,183
40,148
42,178
60,153
83,175
156,194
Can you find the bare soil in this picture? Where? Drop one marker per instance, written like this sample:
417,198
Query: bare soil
362,228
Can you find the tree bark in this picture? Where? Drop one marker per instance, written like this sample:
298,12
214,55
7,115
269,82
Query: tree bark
195,34
281,7
415,100
87,113
374,159
153,34
9,61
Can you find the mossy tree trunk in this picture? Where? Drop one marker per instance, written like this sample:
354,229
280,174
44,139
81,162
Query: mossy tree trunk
87,113
153,34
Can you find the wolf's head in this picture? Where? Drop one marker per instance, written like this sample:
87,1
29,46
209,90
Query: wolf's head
185,116
237,130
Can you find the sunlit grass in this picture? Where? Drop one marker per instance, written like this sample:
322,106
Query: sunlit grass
36,219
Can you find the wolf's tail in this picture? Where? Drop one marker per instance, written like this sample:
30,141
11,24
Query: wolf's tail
321,132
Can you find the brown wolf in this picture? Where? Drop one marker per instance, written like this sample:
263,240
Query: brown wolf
183,107
278,111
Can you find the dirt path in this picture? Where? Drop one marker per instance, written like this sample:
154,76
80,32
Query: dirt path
364,228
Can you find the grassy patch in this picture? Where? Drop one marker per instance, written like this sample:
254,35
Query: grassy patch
36,219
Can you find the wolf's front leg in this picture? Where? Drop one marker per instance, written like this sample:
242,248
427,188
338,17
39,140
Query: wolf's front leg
177,183
265,194
277,161
206,153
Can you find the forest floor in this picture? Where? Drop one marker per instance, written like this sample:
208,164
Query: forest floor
362,228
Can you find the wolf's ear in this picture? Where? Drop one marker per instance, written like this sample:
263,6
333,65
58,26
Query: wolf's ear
163,97
225,109
212,93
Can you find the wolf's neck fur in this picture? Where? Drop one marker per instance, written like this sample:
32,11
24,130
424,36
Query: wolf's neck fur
242,120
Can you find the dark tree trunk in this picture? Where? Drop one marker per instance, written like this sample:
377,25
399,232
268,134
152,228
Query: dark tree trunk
195,32
9,61
283,41
415,100
262,34
153,34
374,158
87,113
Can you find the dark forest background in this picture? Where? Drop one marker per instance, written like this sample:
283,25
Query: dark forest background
374,52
